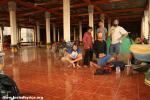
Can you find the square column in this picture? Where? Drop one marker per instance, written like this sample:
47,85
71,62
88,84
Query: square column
1,39
142,27
91,17
149,11
109,26
58,34
146,24
48,39
54,32
80,30
35,35
38,32
66,19
12,13
74,34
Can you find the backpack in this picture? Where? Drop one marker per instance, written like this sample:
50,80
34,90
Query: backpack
8,87
100,71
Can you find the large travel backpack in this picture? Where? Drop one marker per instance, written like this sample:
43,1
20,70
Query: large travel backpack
8,87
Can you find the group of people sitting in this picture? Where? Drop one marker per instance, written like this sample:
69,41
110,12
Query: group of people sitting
99,47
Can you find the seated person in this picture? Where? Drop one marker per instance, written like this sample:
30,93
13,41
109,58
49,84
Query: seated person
73,56
100,49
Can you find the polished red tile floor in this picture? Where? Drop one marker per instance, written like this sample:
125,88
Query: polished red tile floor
38,73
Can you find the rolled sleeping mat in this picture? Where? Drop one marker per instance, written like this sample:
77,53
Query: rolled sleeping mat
147,82
141,52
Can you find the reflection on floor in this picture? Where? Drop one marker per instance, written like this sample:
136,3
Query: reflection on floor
38,73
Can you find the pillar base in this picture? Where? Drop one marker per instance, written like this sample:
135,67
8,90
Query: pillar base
48,45
14,48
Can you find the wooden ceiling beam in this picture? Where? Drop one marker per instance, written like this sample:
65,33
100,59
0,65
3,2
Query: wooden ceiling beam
123,17
107,1
126,10
30,5
53,9
3,1
29,13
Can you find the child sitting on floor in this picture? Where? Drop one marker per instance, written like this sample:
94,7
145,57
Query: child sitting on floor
73,56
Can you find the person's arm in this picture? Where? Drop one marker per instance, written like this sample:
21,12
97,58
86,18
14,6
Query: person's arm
106,33
105,48
110,34
123,32
79,57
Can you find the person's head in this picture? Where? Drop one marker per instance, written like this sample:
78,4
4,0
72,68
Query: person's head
74,47
101,23
116,22
89,29
100,36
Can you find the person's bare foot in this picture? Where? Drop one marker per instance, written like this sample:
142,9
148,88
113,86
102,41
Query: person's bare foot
69,65
74,65
85,66
78,66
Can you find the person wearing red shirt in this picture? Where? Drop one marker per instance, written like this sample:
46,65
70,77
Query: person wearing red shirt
87,41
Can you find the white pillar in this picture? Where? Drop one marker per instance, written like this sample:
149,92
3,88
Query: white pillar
149,12
80,30
1,39
109,26
74,34
146,25
17,35
47,16
35,34
12,12
54,32
91,17
58,34
38,32
142,27
95,33
66,19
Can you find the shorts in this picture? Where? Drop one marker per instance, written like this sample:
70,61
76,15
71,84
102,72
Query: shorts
115,48
102,61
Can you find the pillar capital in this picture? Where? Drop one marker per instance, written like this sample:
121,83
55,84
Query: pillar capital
12,6
47,15
90,8
146,13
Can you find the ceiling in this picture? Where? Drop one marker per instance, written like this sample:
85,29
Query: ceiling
30,11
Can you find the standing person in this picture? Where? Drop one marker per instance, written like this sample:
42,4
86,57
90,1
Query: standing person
102,29
87,41
117,33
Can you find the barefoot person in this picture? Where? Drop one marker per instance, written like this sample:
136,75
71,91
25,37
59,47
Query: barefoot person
100,49
87,41
117,33
73,56
102,29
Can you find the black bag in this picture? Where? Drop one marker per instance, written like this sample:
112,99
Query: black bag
8,87
120,64
100,71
